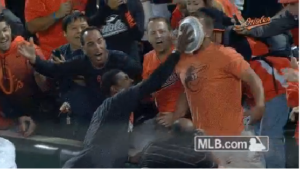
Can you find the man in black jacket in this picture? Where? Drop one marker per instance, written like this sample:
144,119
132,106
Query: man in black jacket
106,143
122,25
92,66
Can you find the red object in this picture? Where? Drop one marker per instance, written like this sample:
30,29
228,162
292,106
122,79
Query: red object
4,122
288,1
295,33
293,101
176,18
3,3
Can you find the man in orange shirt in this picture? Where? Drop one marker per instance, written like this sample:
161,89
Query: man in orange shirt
43,17
212,78
160,37
19,83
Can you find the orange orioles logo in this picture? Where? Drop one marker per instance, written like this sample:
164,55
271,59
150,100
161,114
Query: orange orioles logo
251,23
9,83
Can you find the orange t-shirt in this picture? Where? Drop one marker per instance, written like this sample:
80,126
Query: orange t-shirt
213,88
167,97
19,73
53,37
264,71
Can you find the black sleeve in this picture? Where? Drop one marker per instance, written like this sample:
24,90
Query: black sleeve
159,76
127,64
152,84
135,22
69,68
277,26
99,18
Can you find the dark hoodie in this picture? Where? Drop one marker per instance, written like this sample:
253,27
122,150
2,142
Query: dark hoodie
121,28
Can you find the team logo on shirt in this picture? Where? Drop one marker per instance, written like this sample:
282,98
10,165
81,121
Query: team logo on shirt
194,76
171,80
113,26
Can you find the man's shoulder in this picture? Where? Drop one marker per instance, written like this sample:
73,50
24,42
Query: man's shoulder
116,53
229,53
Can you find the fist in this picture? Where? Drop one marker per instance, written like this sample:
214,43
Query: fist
64,9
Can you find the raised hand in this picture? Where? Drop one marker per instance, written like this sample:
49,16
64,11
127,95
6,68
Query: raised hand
185,37
64,9
293,113
27,50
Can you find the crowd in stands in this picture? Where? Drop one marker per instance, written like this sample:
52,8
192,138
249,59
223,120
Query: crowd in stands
115,75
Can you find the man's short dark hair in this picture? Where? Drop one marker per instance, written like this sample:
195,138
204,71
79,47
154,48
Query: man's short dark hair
88,29
3,18
209,14
158,18
109,79
72,18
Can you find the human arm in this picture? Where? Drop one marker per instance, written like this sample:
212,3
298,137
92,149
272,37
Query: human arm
238,67
48,68
257,90
37,18
40,80
134,21
275,27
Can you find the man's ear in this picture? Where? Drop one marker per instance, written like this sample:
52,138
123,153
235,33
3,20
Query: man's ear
65,34
113,89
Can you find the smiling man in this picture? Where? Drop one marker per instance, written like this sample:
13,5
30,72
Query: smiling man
92,66
18,81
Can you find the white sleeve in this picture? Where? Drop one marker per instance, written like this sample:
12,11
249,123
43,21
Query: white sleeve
7,154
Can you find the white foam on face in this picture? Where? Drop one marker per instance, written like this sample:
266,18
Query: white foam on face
7,154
